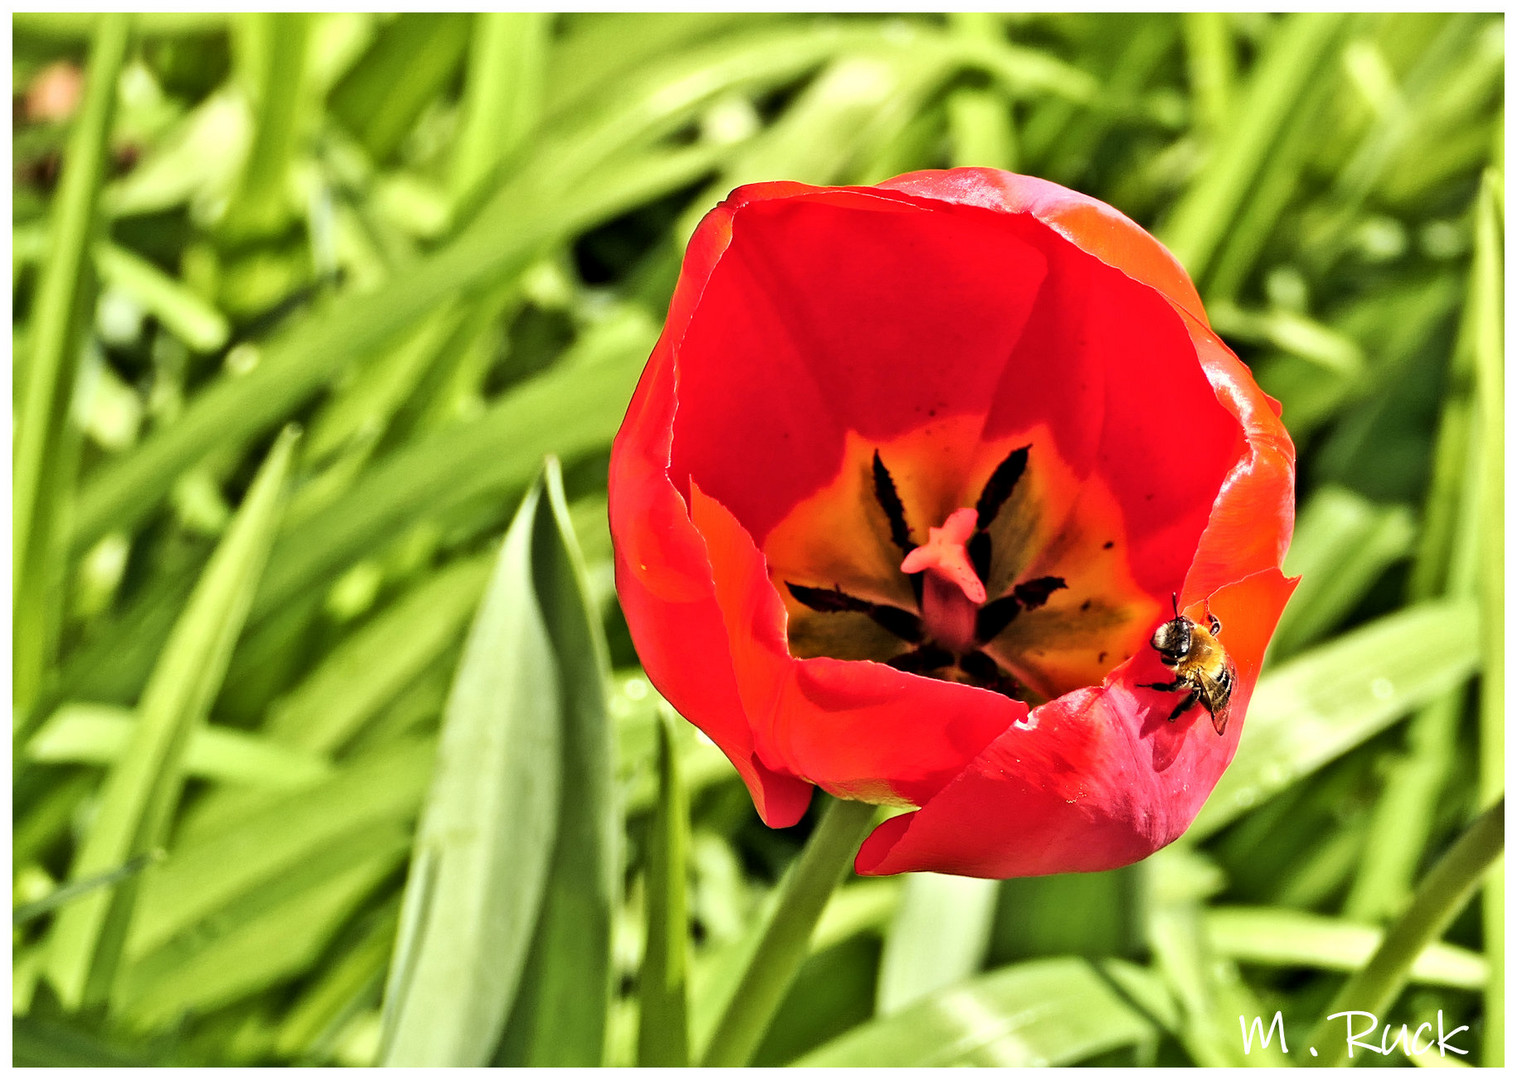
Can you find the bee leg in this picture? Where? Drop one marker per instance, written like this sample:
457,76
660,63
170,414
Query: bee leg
1216,624
1186,703
1176,685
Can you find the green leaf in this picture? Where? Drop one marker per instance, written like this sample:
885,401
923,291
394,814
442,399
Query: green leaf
570,410
236,852
1330,699
1298,57
663,1014
370,667
143,788
381,96
939,937
1209,989
1044,1012
558,1016
1343,543
503,93
485,843
1284,937
99,734
43,460
262,938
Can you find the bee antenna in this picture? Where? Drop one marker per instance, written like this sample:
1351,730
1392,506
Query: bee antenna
1174,603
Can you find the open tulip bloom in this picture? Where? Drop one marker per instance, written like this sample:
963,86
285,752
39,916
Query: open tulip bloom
914,474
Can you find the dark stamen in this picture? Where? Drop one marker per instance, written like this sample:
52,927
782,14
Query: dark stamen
1000,486
903,624
890,502
920,661
988,674
995,617
979,555
1035,593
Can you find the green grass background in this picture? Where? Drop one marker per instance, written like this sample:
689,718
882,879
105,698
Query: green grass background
301,304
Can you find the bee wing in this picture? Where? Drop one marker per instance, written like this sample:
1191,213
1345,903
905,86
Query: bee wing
1219,694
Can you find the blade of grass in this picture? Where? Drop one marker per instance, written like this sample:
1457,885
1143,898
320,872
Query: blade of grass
1212,66
41,467
1297,57
1044,1012
503,94
1440,896
143,788
663,1014
262,205
35,909
1489,354
100,735
1330,699
558,1016
1285,937
800,900
980,122
355,976
570,410
371,666
217,860
260,940
938,938
480,864
410,60
1343,543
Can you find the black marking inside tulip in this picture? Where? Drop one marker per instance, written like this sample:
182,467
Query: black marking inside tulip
905,625
924,656
890,502
998,489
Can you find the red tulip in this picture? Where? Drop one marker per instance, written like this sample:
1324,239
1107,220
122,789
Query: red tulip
906,488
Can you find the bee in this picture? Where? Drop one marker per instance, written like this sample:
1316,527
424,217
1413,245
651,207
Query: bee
1200,663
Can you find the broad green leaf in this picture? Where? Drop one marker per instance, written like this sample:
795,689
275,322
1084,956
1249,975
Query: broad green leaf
1330,699
1044,1012
938,938
480,864
99,734
43,454
143,788
1285,937
558,1016
663,1014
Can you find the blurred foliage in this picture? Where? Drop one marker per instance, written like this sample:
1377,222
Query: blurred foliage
442,246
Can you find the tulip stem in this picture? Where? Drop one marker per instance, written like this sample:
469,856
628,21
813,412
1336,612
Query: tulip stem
1442,895
802,896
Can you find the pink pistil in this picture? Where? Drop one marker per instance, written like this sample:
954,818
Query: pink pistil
952,592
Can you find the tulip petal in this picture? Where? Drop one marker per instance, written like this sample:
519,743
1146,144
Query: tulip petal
1098,779
1090,224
